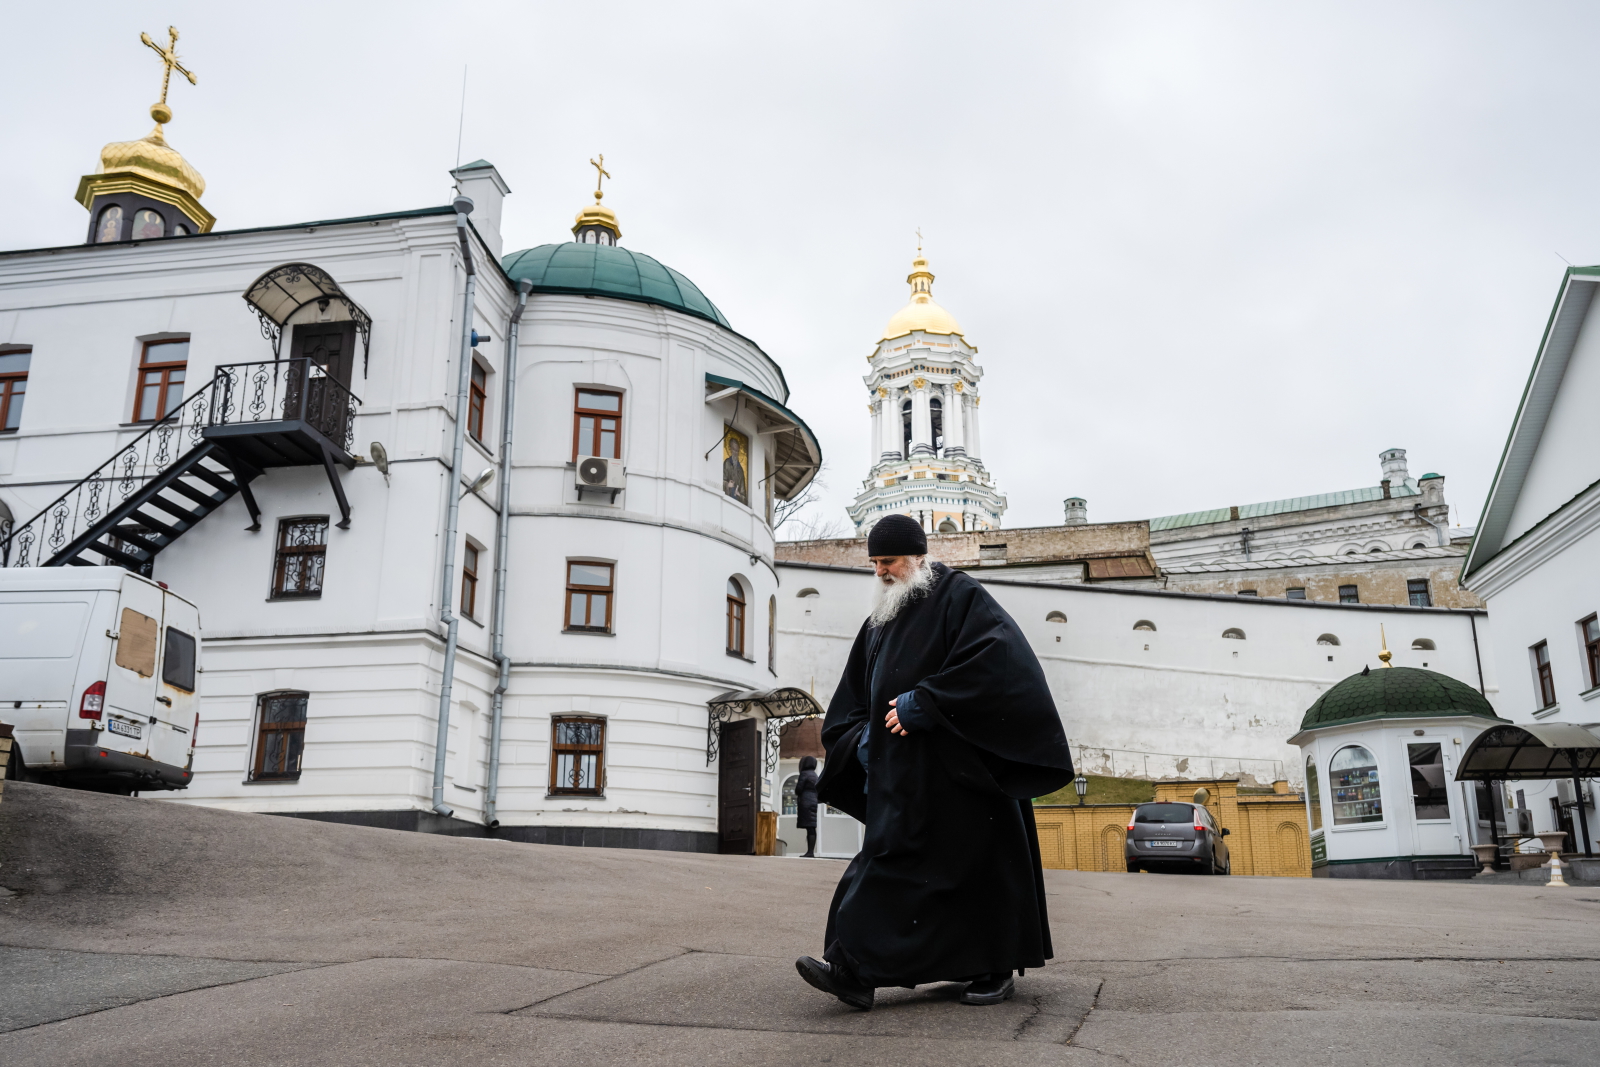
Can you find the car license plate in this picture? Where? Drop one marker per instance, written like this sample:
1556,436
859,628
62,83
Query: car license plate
126,729
1163,844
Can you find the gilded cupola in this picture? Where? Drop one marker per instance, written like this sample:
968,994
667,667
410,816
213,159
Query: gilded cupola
597,224
922,313
145,189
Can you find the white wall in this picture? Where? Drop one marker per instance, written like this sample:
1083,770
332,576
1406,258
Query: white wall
1180,701
1568,457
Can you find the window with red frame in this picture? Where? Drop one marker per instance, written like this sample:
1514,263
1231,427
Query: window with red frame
597,425
476,400
13,387
161,373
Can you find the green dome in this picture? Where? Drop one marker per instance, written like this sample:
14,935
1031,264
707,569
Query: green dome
606,270
1395,693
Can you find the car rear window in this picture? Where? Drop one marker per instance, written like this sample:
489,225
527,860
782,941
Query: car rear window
177,668
1164,813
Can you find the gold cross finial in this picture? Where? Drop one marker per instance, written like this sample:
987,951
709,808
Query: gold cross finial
601,174
169,61
1385,655
919,240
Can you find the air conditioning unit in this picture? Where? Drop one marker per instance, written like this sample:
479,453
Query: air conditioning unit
601,475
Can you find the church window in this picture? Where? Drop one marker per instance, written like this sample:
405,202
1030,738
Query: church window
1353,781
110,225
936,417
589,591
597,425
736,606
1349,594
1145,624
469,580
1313,794
1233,633
302,555
148,224
477,399
1297,593
736,465
13,387
577,756
1417,591
905,429
162,366
1423,644
1328,639
1541,672
280,736
1589,628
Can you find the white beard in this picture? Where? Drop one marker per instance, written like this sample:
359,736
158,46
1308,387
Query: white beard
892,595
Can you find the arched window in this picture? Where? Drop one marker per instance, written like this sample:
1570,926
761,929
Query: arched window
1145,624
905,428
936,419
1423,644
1313,794
946,525
179,230
110,226
1055,616
148,224
1328,639
1377,546
807,591
1357,794
736,604
791,805
1233,633
1420,544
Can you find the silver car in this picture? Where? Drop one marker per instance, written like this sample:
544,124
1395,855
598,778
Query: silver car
1176,836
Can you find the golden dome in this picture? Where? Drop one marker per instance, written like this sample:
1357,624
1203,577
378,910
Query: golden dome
151,157
922,313
597,214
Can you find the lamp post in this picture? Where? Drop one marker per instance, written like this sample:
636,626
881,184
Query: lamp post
1081,784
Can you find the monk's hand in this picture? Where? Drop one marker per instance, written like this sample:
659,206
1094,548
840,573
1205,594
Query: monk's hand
892,720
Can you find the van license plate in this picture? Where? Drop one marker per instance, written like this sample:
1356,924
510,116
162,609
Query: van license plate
1163,844
126,729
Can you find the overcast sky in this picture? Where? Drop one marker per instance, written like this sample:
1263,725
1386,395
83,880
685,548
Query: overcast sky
1210,253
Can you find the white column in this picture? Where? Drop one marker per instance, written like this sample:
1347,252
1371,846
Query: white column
974,440
921,422
890,445
875,442
955,441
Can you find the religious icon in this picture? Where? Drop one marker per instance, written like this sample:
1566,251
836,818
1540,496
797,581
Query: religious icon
736,465
110,225
148,224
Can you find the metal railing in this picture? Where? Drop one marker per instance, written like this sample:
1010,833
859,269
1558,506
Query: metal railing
75,512
238,393
285,390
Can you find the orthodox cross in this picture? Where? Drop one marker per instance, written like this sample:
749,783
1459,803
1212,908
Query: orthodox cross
169,59
602,174
919,236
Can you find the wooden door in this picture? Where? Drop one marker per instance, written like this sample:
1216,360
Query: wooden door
330,345
736,788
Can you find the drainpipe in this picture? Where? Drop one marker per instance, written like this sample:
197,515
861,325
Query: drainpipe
1244,541
463,206
502,539
1439,528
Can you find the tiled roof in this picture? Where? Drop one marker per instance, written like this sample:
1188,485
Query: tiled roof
1395,693
1279,507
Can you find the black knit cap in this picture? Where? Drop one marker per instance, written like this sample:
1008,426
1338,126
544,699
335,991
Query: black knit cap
897,535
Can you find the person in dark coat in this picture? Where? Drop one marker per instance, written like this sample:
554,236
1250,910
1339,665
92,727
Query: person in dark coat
939,736
805,799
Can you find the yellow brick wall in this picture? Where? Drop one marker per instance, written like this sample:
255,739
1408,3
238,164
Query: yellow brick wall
1267,832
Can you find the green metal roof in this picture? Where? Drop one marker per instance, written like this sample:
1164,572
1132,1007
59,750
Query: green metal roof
606,270
1395,693
1279,507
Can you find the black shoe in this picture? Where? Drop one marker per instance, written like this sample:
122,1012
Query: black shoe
991,990
835,981
808,855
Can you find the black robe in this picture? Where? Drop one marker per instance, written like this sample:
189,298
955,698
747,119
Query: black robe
948,883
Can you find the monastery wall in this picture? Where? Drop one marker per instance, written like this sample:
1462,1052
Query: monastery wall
1376,581
1034,544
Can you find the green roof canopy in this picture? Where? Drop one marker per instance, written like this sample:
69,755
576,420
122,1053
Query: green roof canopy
606,270
1396,693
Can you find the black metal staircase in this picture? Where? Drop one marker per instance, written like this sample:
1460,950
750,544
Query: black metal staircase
248,418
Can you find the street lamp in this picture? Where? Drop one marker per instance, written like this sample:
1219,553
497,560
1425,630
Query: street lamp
1081,784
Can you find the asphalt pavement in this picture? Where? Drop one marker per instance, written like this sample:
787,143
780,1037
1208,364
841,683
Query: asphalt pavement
141,933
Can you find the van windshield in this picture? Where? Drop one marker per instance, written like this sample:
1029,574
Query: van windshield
1164,813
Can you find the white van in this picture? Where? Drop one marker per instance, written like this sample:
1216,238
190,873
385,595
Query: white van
100,677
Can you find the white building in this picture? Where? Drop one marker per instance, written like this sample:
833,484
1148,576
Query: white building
1536,557
927,446
266,419
1155,684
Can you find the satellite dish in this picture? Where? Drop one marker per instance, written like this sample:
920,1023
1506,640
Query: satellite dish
380,457
483,479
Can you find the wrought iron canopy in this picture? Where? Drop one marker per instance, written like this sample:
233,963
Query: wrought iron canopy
283,291
1533,751
775,705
